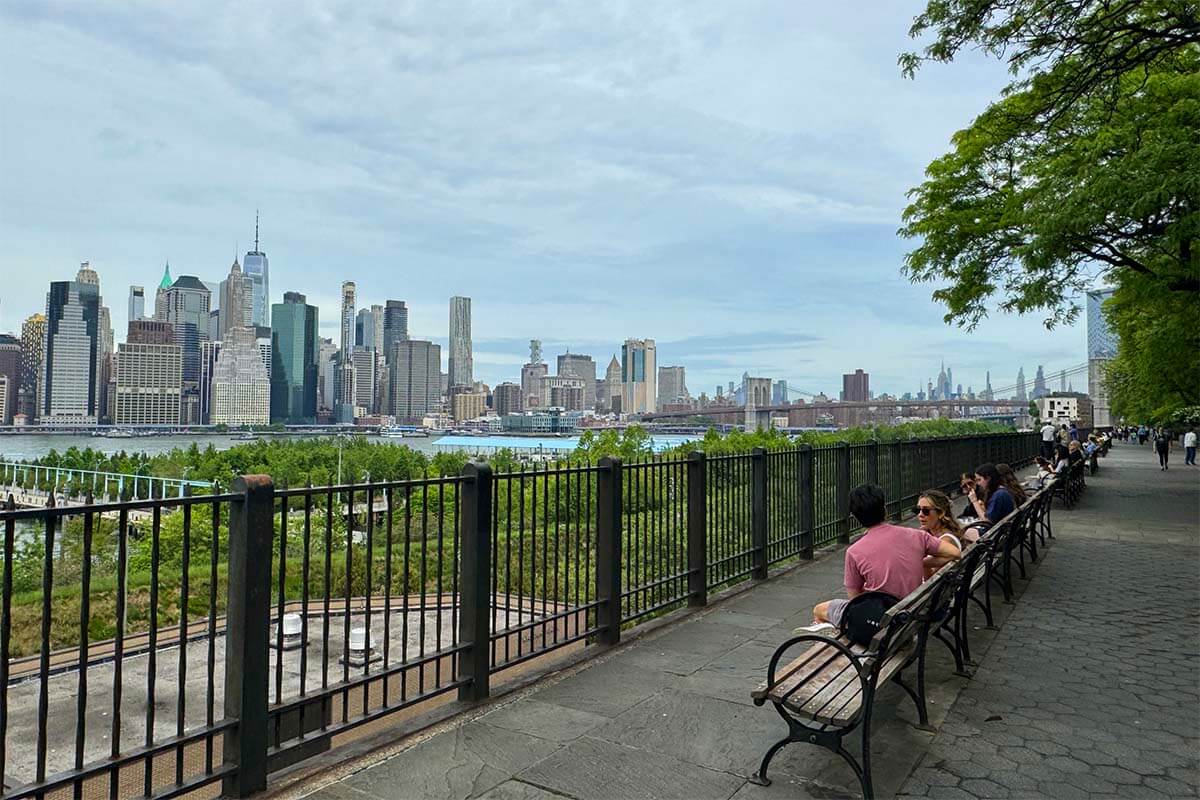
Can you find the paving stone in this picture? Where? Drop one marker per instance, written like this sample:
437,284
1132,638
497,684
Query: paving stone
592,769
550,721
606,689
519,790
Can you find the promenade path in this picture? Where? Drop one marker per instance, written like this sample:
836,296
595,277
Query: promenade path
1088,689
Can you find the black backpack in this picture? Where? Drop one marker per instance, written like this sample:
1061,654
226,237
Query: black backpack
860,620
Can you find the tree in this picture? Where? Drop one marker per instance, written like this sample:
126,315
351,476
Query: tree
1085,168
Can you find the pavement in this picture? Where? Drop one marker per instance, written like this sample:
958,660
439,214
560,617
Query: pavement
1089,688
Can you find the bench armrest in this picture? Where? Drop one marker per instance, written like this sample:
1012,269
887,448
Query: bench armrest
759,696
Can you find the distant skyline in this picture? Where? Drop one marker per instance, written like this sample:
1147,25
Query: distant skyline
727,181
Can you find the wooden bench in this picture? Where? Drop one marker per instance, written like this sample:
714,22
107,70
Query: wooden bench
828,689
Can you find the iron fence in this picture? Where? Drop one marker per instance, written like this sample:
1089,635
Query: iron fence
160,647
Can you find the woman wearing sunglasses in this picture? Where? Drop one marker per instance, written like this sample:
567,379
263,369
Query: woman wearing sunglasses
937,519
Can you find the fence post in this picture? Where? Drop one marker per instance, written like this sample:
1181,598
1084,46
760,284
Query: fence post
608,550
475,557
843,492
247,633
897,477
758,528
873,462
697,528
807,501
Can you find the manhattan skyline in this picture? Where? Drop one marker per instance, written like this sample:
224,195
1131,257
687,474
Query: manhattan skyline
746,225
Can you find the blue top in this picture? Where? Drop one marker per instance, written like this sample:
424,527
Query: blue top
1000,504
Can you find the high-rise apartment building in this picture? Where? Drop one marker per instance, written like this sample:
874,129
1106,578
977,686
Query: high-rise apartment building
236,299
507,399
256,271
327,364
364,329
468,405
364,378
68,382
1101,348
459,363
562,392
10,375
856,386
638,376
672,386
294,364
395,326
241,389
33,349
416,379
208,362
137,303
344,407
577,365
149,376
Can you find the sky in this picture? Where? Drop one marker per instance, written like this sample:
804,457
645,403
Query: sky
726,179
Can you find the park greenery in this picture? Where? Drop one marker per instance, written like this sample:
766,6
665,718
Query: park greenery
1085,171
545,534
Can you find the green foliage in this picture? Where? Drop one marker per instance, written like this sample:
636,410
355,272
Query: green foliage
715,443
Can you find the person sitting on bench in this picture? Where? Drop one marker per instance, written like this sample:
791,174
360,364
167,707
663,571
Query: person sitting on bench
888,558
936,516
989,499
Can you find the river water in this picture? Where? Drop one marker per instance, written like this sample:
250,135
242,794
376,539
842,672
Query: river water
23,447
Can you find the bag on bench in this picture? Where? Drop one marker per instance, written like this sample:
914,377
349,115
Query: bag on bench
860,619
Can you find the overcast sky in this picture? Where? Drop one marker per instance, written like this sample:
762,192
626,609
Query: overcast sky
726,178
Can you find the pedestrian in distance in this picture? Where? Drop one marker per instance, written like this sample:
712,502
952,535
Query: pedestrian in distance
1162,444
1189,447
1048,440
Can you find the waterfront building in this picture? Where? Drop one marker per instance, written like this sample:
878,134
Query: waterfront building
672,386
137,303
415,379
856,386
364,378
468,405
1101,348
241,389
395,326
33,347
68,385
235,309
10,374
256,270
577,365
148,376
638,376
295,368
546,421
460,368
507,398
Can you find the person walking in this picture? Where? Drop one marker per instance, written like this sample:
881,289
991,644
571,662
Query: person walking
1189,447
1142,434
1048,440
1162,444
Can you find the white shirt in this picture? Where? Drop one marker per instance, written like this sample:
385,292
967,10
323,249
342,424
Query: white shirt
1047,432
1189,439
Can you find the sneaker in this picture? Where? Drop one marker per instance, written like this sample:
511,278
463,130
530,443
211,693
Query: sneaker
823,628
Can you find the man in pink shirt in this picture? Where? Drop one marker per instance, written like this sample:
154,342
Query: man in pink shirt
888,558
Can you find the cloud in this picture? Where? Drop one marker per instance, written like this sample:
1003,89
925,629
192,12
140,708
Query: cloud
726,181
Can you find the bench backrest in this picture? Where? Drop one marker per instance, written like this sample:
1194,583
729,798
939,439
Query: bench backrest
903,621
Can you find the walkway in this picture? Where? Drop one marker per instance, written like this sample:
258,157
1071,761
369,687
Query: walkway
1062,704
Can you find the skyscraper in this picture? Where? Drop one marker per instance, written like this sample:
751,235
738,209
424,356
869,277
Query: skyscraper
149,375
577,365
254,267
395,326
459,362
33,348
364,378
672,386
612,382
186,305
1039,384
856,386
506,398
416,379
1101,348
68,384
10,376
137,303
364,329
327,364
344,408
241,390
1021,395
638,376
235,301
294,366
160,294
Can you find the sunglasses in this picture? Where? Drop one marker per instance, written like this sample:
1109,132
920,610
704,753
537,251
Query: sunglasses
924,511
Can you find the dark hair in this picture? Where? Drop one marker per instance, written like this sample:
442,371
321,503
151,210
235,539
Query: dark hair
868,505
994,480
1010,481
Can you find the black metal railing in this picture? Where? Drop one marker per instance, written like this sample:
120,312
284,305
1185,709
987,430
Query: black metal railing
160,646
